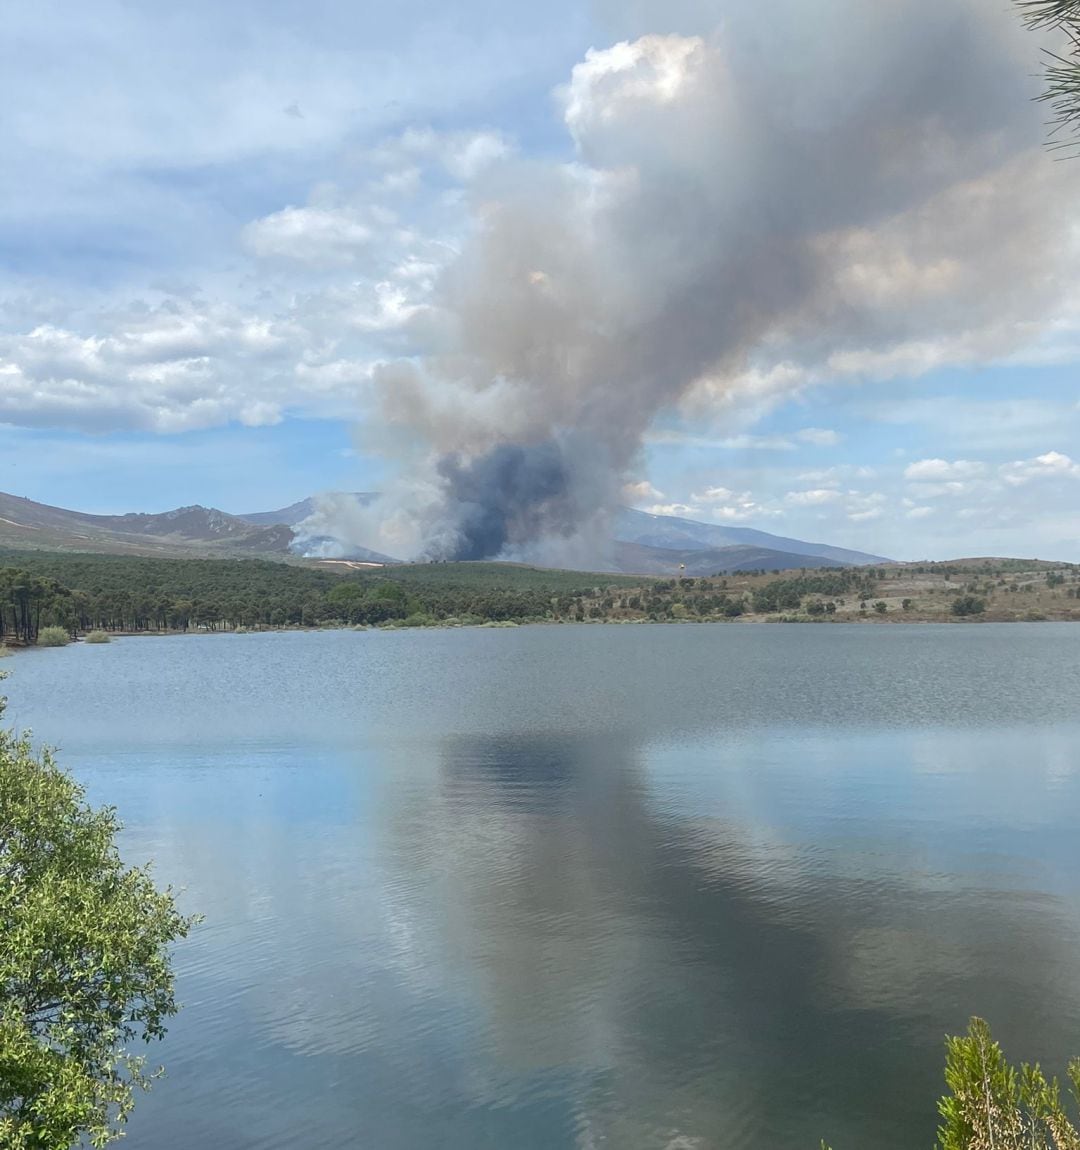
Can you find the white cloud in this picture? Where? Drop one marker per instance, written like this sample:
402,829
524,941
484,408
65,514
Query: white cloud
168,369
394,306
463,154
814,498
616,85
668,437
863,507
326,236
467,154
714,495
919,512
1052,465
742,509
757,443
936,470
952,489
679,510
819,436
834,476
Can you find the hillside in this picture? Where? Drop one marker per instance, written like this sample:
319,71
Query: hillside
645,560
672,533
185,531
296,513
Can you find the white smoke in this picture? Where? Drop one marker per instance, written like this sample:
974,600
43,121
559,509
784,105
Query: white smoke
746,208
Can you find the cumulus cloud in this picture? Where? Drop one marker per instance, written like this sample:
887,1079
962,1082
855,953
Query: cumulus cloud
714,495
743,508
1052,465
680,510
863,507
834,476
171,368
335,236
819,436
936,470
814,498
463,154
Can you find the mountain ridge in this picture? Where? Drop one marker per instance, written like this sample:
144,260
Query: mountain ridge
643,544
668,531
183,530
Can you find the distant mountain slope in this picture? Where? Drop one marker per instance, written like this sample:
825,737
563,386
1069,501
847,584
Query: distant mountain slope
296,513
310,539
640,559
670,532
658,532
645,544
185,531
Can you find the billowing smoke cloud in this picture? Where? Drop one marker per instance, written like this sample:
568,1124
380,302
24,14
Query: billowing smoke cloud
510,492
768,203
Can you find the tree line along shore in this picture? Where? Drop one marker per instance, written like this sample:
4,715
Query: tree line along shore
56,597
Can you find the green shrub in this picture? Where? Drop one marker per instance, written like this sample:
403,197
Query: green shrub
99,637
85,961
968,605
53,637
994,1106
419,619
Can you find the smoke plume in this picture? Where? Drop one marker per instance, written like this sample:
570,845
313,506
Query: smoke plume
755,204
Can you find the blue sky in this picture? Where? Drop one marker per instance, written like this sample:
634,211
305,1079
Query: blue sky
220,223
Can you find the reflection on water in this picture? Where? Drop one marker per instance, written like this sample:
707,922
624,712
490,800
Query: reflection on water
440,924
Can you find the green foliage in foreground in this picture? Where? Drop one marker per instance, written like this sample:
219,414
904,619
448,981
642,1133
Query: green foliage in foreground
991,1104
53,637
84,960
994,1106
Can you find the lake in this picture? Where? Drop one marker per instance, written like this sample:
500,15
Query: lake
683,887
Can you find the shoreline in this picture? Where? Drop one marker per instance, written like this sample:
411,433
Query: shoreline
502,625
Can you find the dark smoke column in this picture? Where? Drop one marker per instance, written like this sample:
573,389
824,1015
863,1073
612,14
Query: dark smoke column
511,495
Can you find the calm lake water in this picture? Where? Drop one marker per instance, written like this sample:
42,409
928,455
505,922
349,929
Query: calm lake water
674,887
